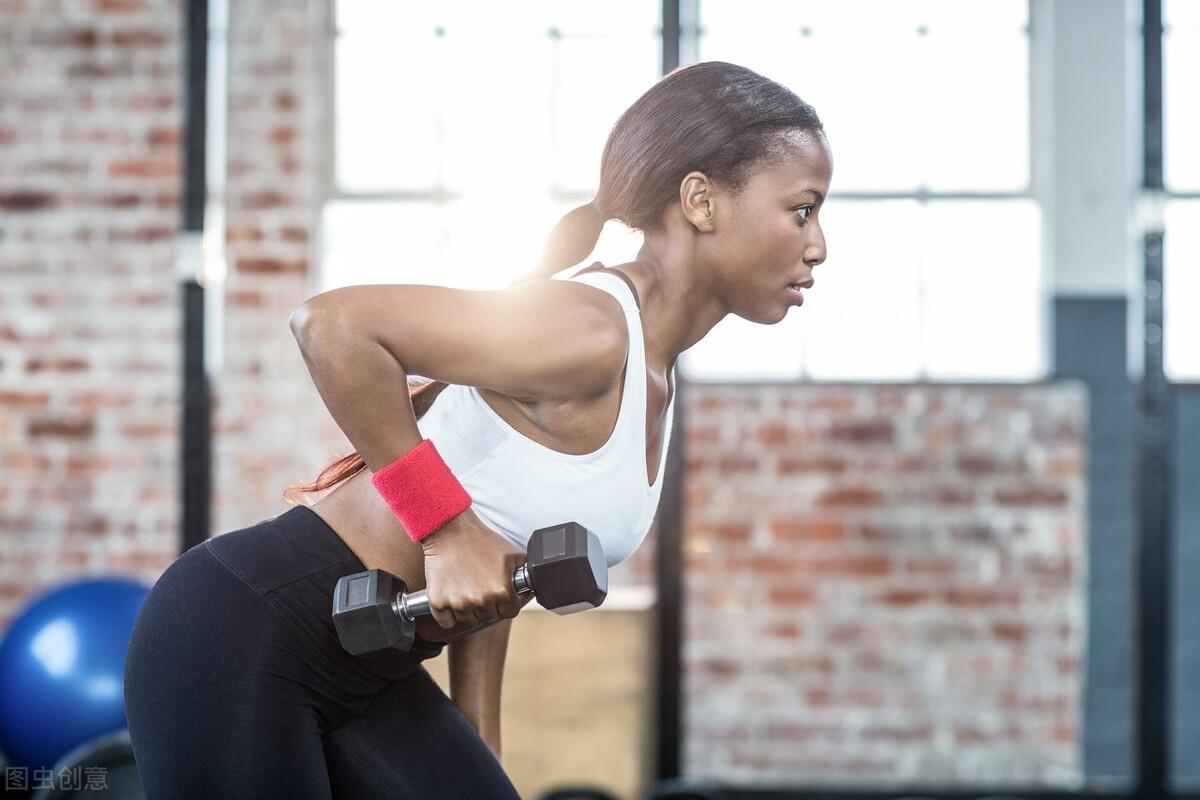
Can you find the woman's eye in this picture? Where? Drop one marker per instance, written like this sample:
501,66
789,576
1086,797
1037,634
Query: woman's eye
807,211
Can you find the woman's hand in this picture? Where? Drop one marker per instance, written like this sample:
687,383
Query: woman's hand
469,573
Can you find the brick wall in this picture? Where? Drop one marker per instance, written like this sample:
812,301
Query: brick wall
271,428
89,206
885,584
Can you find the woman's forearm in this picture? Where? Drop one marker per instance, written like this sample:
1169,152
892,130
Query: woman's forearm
476,666
362,384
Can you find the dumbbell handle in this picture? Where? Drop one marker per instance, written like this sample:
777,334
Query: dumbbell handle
416,604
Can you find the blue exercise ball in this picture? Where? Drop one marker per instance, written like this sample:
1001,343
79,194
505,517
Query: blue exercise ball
62,669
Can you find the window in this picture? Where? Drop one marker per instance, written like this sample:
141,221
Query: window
934,268
450,174
1181,176
465,130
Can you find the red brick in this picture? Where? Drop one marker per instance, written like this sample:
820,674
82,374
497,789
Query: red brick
26,200
726,402
142,37
976,533
983,464
75,38
245,298
158,167
90,462
284,101
1025,702
1068,666
88,525
242,233
143,298
139,365
271,266
66,364
143,234
832,401
719,667
971,735
736,532
898,733
981,598
864,432
61,428
943,495
146,430
163,136
1064,734
778,434
903,597
265,199
885,533
282,134
764,564
849,566
24,460
845,633
18,399
1032,495
294,234
1014,632
1048,568
793,465
794,732
850,497
119,6
784,630
94,70
702,434
736,464
793,666
147,101
694,496
125,200
790,531
792,596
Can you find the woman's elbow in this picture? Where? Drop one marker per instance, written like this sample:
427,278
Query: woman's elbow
304,320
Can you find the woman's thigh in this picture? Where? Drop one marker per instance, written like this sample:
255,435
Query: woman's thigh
214,708
412,743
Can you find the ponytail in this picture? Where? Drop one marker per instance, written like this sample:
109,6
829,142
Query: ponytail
570,242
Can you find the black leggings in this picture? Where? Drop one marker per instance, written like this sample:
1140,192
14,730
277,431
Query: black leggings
236,685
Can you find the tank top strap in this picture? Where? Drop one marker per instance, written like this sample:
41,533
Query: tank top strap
597,267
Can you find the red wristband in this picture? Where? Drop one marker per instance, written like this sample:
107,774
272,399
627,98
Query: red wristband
421,491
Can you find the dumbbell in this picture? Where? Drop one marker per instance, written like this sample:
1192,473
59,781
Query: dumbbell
564,568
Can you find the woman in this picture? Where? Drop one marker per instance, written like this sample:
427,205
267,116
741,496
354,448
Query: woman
552,401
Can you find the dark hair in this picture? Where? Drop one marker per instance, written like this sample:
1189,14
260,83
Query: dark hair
713,116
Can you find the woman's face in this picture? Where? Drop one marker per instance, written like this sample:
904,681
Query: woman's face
769,236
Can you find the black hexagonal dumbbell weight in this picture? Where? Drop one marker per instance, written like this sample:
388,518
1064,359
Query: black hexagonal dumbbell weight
564,568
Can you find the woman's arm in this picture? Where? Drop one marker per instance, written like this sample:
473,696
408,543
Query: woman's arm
548,339
476,673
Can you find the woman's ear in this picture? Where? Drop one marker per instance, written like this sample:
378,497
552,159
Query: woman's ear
696,201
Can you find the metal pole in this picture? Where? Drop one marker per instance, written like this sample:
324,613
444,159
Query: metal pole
195,452
1153,438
